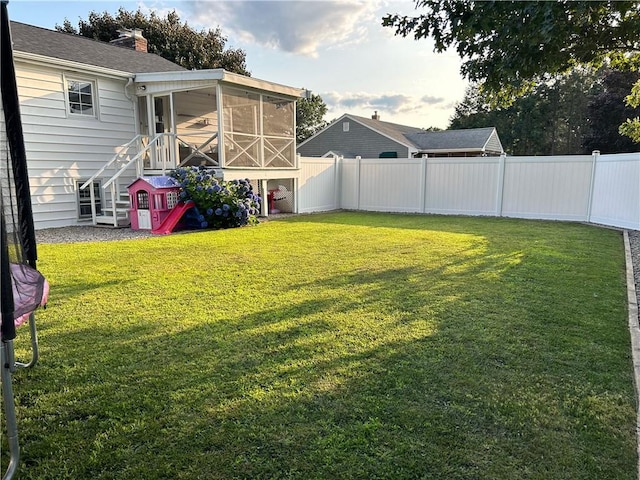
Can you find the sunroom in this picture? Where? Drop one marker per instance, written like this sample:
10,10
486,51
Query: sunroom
238,126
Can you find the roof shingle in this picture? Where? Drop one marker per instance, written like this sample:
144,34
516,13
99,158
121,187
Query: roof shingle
75,48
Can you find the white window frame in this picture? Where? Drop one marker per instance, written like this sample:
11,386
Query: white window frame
86,201
94,98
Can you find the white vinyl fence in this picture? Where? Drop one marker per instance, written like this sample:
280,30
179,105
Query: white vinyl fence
594,188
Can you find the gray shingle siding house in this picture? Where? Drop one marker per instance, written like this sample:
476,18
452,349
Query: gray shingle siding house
352,136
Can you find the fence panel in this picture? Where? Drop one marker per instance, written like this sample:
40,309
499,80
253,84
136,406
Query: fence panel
616,191
391,185
349,183
317,185
555,188
462,186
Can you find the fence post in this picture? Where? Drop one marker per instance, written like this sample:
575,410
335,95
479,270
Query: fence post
336,182
594,160
358,162
423,183
500,191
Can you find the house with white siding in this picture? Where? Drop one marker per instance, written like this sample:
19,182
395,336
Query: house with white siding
96,116
353,136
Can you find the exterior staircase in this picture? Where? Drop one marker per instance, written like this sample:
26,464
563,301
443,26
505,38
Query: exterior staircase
142,155
112,208
115,214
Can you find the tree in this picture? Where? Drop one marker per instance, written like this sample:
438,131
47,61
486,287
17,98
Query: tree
631,127
310,117
167,37
506,45
607,110
551,119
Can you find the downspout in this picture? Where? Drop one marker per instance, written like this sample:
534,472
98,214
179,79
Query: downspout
136,114
126,89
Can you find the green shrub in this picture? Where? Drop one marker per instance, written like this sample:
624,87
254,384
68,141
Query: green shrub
219,204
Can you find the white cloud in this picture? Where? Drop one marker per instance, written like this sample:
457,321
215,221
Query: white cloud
390,103
300,27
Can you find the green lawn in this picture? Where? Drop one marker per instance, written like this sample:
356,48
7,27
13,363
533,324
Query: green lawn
335,346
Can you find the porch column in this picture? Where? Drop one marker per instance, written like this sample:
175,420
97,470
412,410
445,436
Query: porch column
173,144
265,198
151,129
221,160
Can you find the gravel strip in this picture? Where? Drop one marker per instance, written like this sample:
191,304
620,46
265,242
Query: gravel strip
634,244
88,234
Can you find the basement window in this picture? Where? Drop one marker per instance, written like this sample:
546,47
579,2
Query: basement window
84,199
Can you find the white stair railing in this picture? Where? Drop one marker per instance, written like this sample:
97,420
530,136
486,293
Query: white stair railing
198,150
121,162
133,154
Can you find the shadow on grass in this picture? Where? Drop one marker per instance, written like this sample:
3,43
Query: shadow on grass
457,370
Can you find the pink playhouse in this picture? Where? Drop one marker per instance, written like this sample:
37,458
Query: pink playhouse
152,199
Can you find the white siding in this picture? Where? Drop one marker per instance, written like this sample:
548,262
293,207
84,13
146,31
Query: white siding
62,148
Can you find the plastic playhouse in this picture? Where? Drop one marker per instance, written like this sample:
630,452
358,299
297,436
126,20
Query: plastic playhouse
155,204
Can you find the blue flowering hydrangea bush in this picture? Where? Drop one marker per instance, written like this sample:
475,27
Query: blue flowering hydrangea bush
219,204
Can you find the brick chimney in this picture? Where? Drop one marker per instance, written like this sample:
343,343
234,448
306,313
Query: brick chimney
375,116
132,39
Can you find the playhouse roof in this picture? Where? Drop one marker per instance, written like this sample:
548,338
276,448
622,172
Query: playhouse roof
160,181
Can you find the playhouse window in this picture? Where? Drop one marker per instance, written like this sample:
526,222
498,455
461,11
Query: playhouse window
143,200
80,97
157,202
172,199
84,199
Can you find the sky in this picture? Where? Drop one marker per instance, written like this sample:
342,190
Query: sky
335,48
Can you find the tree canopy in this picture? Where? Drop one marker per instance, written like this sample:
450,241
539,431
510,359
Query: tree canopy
167,36
631,126
310,117
506,44
607,110
575,113
178,42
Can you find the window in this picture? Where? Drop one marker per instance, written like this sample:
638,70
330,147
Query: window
84,199
345,126
172,199
143,200
80,96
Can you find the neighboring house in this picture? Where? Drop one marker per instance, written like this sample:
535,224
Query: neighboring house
97,115
352,136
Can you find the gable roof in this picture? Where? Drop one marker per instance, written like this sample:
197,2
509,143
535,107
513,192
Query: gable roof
465,139
396,132
75,48
423,141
